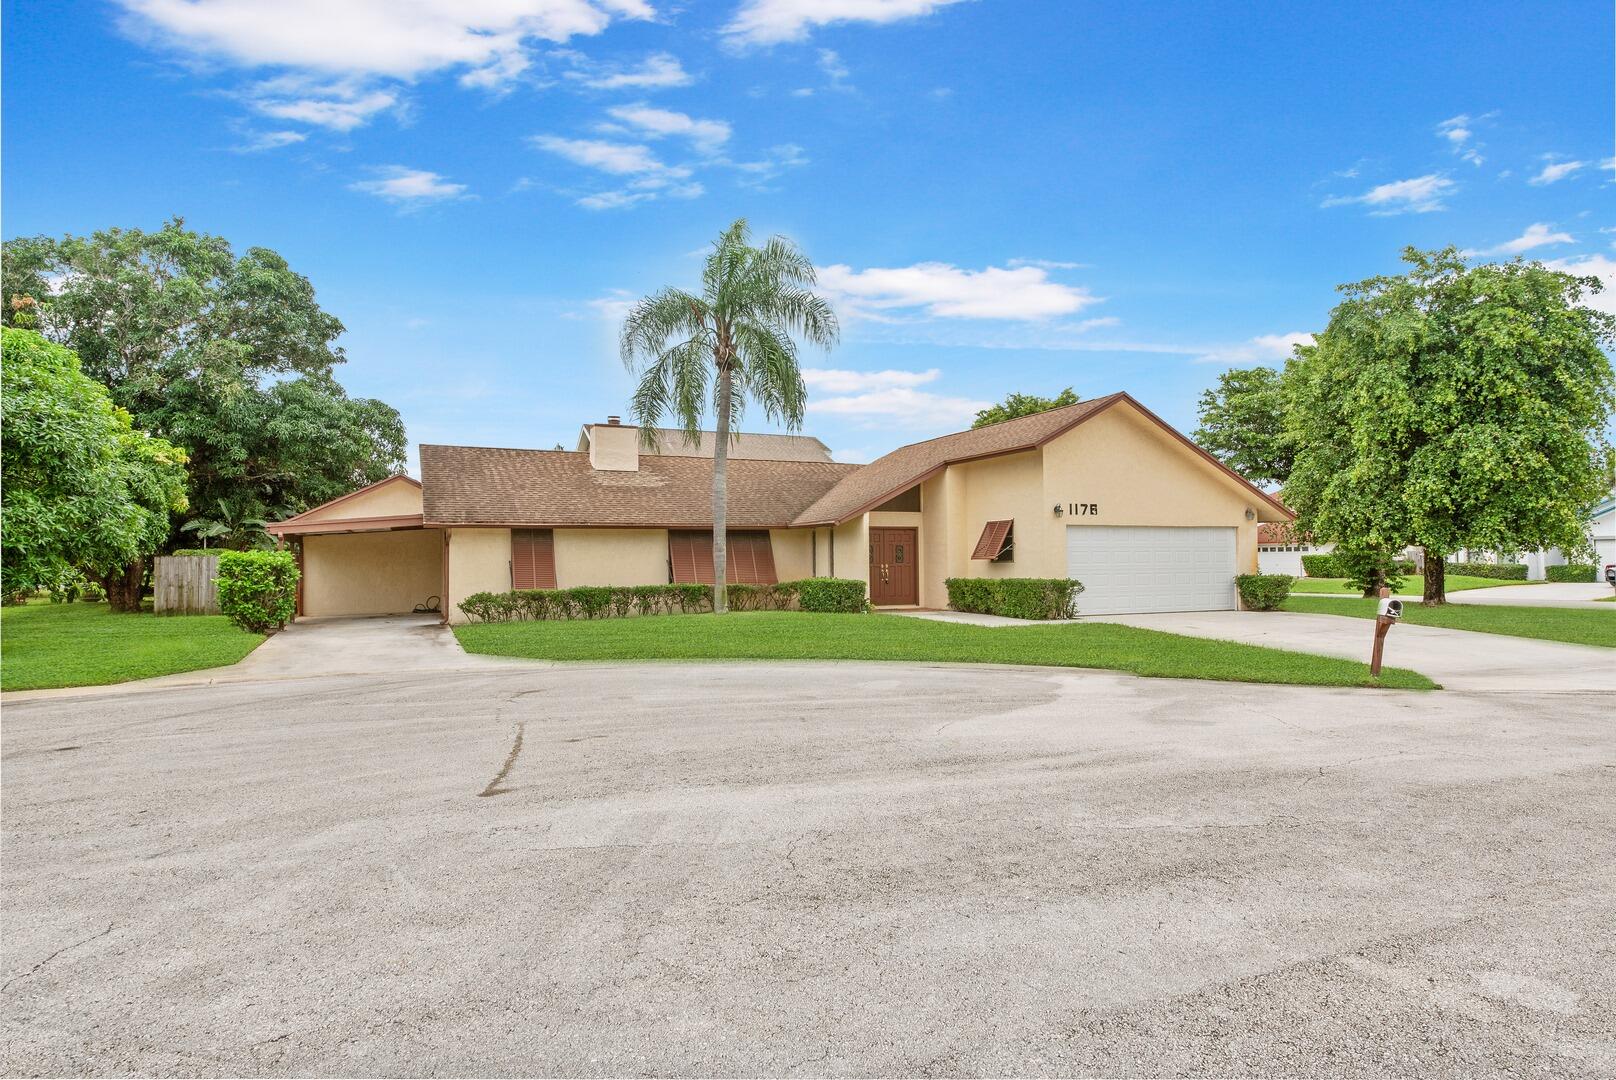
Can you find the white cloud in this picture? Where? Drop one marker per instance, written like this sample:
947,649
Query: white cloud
410,187
614,306
1046,264
1602,267
944,291
622,159
340,106
1418,195
1555,171
776,160
852,457
1262,349
836,72
769,22
270,140
401,39
1535,236
901,406
706,135
1459,131
659,71
842,381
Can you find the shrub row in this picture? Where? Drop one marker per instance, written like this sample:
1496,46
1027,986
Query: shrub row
1015,598
620,601
1263,592
1335,565
1498,571
1573,572
257,589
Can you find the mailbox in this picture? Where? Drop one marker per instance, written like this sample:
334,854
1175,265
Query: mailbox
1391,608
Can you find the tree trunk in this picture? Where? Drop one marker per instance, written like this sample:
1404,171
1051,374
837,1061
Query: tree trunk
721,494
123,587
1436,578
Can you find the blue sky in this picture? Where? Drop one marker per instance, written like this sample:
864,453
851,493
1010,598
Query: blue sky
1001,194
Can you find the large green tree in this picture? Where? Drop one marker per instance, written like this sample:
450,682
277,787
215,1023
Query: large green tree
1453,407
1242,422
732,340
1015,405
83,487
230,356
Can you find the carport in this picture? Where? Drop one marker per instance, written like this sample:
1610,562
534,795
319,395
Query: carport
367,553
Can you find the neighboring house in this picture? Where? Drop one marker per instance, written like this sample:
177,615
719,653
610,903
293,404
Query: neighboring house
1601,535
1103,491
1280,550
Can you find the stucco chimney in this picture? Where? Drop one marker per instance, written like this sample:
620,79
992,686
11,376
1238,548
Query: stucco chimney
614,446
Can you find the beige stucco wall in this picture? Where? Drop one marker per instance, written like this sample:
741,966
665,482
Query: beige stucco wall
852,540
793,553
392,499
479,561
611,556
1139,475
379,573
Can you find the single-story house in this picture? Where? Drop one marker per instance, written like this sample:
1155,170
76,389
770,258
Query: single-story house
1103,491
1280,549
1601,529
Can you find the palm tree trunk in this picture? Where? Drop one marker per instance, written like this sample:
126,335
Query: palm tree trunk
721,494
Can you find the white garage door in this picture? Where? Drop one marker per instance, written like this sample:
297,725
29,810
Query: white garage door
1127,568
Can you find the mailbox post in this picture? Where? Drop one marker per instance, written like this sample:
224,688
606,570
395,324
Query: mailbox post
1390,611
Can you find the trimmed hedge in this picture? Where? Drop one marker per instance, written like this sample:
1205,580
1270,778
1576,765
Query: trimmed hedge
1263,592
1573,572
1512,571
198,551
1015,598
257,589
1333,565
621,601
1322,566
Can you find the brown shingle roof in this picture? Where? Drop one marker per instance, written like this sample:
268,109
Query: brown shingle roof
746,444
477,485
909,465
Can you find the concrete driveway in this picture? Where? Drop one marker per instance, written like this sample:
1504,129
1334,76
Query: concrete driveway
1540,594
1457,659
806,869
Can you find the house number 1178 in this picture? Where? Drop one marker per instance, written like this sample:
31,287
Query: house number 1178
1082,509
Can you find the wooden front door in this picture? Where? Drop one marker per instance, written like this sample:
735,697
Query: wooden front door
894,576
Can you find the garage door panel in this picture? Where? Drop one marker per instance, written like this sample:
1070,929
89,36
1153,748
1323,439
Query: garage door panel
1136,568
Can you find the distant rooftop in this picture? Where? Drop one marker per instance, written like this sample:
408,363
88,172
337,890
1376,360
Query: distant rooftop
672,442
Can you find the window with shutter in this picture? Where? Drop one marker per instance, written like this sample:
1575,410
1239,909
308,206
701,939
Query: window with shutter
533,559
997,541
749,561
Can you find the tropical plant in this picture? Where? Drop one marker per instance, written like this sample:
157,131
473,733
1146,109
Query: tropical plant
1453,407
231,525
84,489
731,341
1016,405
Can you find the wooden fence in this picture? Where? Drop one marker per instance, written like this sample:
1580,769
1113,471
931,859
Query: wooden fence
183,585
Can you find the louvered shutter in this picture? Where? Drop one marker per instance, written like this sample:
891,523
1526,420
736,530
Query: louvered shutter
533,559
750,557
995,538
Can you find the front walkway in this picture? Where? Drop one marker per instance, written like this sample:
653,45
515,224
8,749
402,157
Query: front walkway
1458,659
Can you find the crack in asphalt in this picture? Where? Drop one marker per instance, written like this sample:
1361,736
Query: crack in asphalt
54,955
493,787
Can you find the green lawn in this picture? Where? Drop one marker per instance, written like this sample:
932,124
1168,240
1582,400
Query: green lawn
45,645
1578,626
804,636
1412,586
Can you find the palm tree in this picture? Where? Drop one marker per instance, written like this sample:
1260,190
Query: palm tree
737,333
